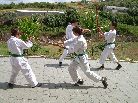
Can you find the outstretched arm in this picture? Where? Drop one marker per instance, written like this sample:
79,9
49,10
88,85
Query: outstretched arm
66,43
60,42
28,44
85,30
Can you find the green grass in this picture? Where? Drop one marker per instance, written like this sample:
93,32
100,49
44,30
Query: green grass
4,49
123,50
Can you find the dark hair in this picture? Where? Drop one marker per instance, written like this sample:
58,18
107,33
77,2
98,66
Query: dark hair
14,31
77,29
114,24
73,21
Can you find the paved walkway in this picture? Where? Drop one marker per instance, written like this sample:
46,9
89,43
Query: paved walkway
57,84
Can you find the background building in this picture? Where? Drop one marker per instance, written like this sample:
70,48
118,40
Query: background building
114,9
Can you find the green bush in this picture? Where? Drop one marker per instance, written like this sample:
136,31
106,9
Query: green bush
54,24
133,11
34,5
106,15
28,26
9,18
60,20
36,17
69,15
88,20
100,46
127,30
123,18
54,20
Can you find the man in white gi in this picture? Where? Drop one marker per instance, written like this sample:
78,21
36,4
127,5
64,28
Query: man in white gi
18,62
81,59
108,50
69,35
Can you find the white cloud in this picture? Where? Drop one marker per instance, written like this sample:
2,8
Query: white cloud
32,1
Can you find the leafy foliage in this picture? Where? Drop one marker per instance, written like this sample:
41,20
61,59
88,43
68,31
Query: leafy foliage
123,18
54,24
35,47
9,18
60,20
34,5
71,14
88,20
127,30
100,46
28,26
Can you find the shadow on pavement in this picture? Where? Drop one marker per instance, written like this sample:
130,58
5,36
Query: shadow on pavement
4,86
65,86
22,86
55,65
96,69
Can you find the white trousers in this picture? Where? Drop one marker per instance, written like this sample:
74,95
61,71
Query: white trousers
107,51
65,53
85,68
22,64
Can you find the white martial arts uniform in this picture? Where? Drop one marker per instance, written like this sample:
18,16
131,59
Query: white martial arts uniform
108,50
69,35
80,46
16,46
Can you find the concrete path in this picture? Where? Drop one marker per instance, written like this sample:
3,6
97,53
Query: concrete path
57,84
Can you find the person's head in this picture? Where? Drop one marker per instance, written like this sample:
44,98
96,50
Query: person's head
77,30
113,25
74,22
16,32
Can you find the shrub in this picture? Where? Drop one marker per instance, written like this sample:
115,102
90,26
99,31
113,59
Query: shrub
127,30
69,15
36,17
123,18
28,26
88,20
34,5
60,20
9,18
100,46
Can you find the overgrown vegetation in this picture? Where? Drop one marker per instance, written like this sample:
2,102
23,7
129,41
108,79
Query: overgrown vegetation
84,14
56,24
128,50
22,5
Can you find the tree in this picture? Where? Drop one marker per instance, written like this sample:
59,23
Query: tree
12,5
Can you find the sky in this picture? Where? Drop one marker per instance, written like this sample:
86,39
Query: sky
32,1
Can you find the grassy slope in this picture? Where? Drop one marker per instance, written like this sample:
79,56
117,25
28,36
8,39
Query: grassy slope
123,50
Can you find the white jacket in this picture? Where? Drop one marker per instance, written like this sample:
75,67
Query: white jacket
80,46
16,46
110,37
